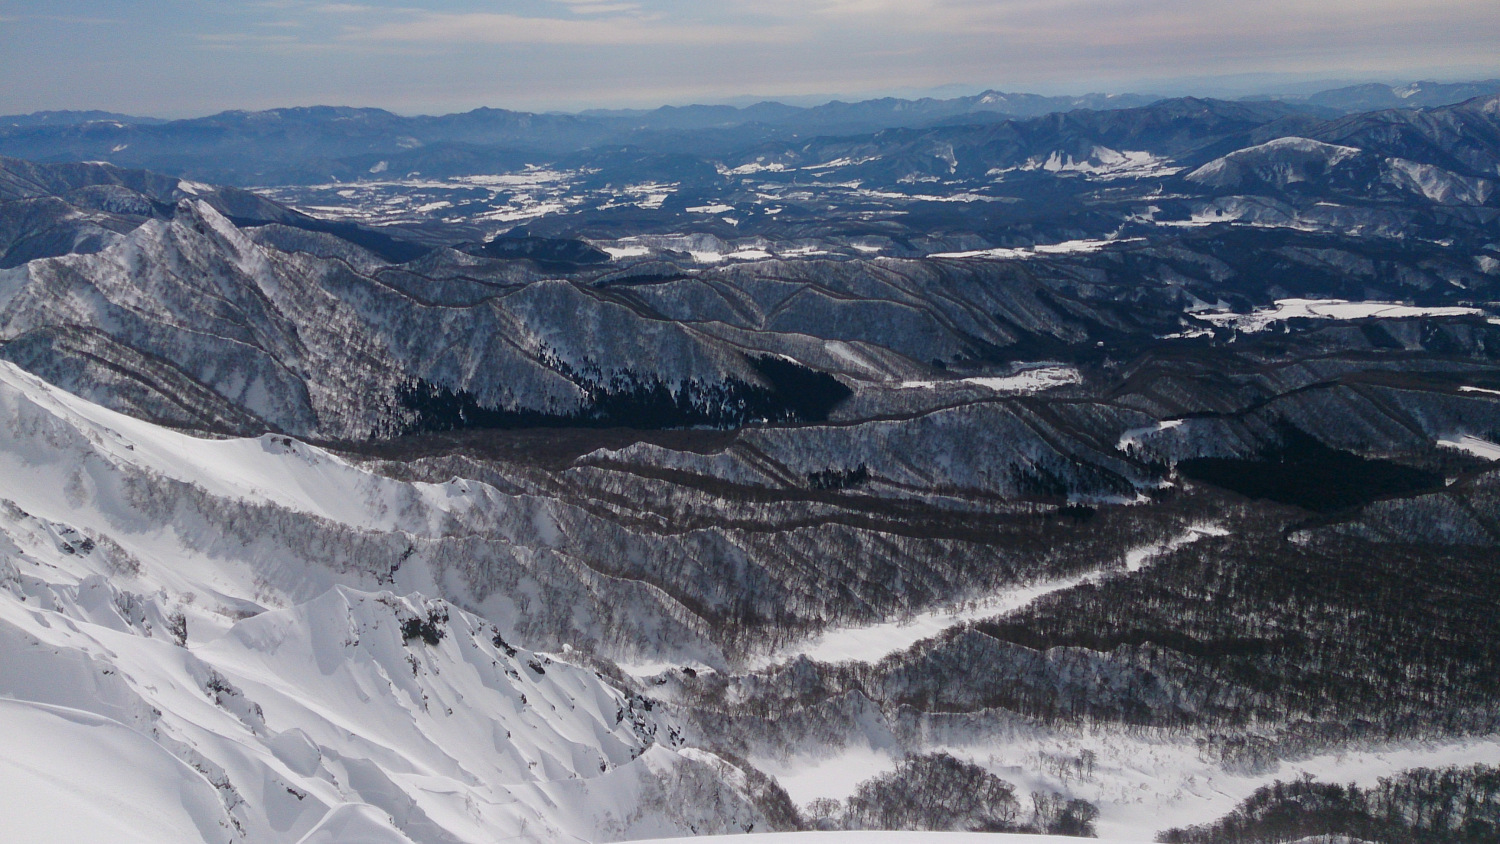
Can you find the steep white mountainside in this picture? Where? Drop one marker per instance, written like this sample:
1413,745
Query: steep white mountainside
157,685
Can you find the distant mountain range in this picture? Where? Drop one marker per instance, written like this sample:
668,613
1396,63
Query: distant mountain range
1247,174
866,115
1372,96
908,191
326,143
72,118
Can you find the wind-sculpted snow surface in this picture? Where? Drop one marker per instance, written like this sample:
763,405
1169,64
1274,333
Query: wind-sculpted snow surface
70,775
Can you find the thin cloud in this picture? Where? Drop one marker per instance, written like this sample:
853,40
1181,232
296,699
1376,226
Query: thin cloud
1136,19
431,55
343,8
596,7
240,41
496,28
244,38
81,20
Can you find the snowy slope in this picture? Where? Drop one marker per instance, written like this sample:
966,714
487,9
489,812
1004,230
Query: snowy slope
1284,162
271,521
868,837
158,688
1280,162
70,775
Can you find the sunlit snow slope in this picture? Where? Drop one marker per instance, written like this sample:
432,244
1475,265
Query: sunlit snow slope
165,678
877,837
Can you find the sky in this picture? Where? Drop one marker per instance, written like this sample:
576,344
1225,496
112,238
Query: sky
177,58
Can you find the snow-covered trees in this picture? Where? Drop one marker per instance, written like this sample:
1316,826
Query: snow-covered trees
1422,806
940,792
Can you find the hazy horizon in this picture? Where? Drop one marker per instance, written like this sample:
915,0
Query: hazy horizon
171,59
1209,87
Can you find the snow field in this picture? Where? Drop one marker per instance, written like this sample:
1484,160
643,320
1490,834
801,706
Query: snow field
1026,381
1333,309
70,775
1476,446
1039,249
1143,781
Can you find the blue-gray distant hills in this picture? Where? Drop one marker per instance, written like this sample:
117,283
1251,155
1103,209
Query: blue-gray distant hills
1372,96
72,118
327,143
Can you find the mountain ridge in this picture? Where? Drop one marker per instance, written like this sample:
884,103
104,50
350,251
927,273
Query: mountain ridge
205,146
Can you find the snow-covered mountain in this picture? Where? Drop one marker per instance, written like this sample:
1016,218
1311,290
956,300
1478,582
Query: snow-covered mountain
165,682
199,645
1088,472
318,144
1304,168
